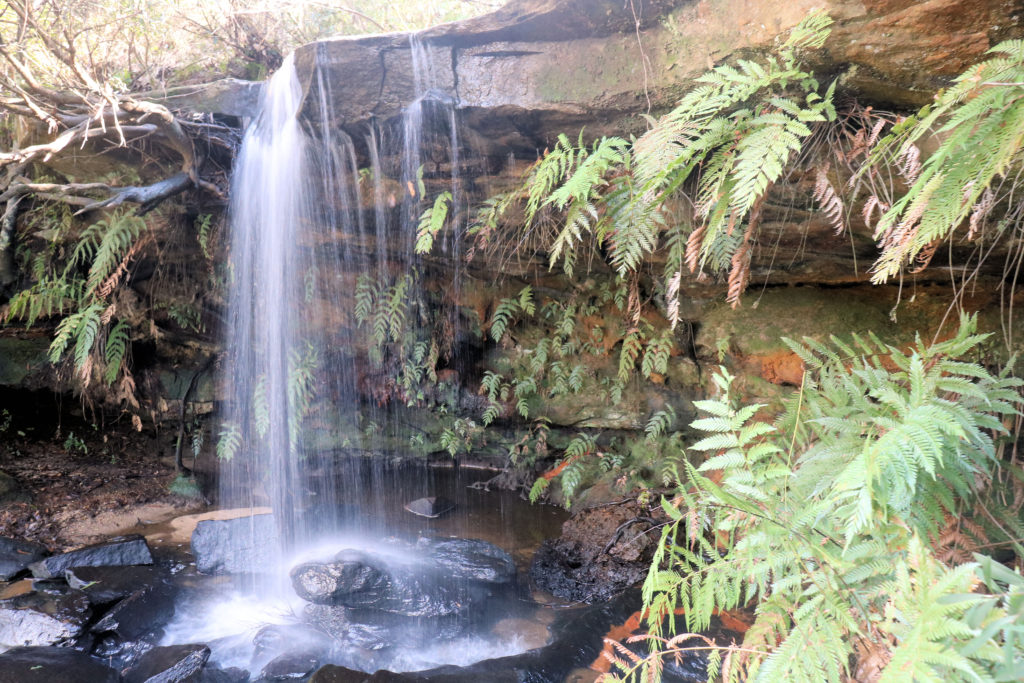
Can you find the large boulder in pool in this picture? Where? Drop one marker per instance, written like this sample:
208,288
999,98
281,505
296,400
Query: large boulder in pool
350,573
244,545
373,630
469,558
359,580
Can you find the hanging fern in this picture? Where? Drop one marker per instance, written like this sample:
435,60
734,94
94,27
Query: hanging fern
432,222
230,441
733,136
116,352
980,122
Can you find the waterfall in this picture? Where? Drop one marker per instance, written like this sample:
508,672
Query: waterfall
294,193
270,206
318,212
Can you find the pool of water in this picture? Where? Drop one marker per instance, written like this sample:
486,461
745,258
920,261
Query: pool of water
248,628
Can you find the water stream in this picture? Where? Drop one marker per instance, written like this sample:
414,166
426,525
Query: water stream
304,218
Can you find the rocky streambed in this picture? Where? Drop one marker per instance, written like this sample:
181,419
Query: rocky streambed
470,596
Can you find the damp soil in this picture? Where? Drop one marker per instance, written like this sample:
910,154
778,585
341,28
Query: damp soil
78,481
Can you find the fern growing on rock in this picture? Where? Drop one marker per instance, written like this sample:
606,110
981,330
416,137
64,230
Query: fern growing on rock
821,523
979,123
89,333
725,144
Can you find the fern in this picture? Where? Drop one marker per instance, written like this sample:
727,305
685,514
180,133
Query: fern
115,238
980,122
230,441
818,520
116,352
432,222
733,137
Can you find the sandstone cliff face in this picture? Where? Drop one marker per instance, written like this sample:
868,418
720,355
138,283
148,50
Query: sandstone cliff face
537,68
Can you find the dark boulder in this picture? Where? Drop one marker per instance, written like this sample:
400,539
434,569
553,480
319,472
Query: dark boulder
121,551
375,630
36,619
16,556
601,552
244,545
351,573
431,507
402,591
51,586
141,612
53,665
290,668
107,585
467,558
212,674
171,664
120,653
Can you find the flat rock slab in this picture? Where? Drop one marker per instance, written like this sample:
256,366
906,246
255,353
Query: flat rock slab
171,664
243,545
40,619
107,585
121,551
53,665
431,507
17,555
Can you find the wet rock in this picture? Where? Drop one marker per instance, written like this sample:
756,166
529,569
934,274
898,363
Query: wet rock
42,619
107,585
171,664
53,665
601,552
300,638
351,573
431,507
50,586
120,653
290,668
16,555
141,612
375,630
11,491
121,551
235,546
212,674
471,559
404,591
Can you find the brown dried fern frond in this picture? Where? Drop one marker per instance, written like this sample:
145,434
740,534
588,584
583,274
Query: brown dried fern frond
872,204
908,162
114,279
924,257
876,131
980,212
828,199
693,244
672,298
739,275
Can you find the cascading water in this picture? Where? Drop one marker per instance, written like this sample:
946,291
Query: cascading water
302,241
